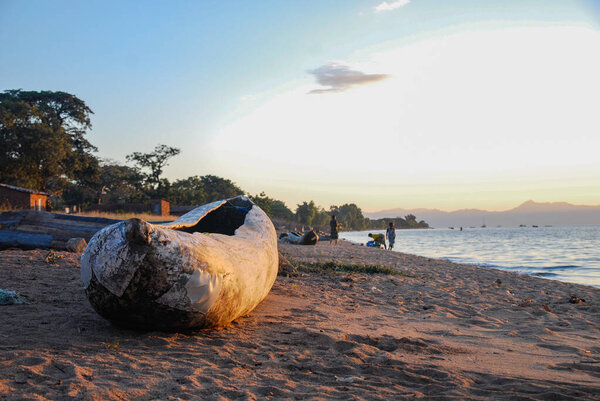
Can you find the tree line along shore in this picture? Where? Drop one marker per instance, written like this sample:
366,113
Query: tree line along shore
43,147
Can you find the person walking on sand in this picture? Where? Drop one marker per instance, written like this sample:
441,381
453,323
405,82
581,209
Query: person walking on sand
334,225
390,234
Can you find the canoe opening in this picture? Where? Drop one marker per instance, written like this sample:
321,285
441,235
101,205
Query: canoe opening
224,220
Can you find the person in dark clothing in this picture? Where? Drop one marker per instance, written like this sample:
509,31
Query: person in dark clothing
334,225
390,234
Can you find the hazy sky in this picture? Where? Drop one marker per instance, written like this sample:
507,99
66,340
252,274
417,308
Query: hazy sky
420,103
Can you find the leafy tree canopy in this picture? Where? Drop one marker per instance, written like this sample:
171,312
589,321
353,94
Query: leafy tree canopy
409,221
279,210
120,183
187,191
274,208
349,215
42,140
198,190
306,212
219,188
151,166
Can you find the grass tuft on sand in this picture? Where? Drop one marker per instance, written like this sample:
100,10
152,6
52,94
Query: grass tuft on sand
5,207
333,267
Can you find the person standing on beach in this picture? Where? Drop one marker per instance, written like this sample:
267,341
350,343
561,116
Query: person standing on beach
390,234
334,225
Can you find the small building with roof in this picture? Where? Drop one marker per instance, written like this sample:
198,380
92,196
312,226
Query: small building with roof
22,198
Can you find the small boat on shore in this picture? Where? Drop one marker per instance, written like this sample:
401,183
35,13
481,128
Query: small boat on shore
205,269
31,229
307,238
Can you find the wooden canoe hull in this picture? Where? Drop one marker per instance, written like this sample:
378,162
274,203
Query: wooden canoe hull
178,276
29,229
308,238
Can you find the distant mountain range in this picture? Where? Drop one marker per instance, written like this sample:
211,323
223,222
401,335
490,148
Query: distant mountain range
528,213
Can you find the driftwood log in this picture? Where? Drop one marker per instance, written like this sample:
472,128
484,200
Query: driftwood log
205,269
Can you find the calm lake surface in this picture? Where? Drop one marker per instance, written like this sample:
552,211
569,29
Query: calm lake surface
569,254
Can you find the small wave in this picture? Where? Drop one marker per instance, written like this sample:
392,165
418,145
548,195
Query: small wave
518,268
542,274
562,267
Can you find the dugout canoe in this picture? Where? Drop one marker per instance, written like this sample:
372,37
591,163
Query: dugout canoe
205,269
30,229
308,238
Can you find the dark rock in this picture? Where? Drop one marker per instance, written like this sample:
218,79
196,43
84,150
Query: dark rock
77,245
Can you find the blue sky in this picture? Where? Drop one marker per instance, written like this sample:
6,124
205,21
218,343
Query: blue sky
198,75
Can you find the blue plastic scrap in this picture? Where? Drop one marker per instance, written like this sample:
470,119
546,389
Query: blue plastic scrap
8,297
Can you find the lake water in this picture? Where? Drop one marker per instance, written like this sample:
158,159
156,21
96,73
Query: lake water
569,254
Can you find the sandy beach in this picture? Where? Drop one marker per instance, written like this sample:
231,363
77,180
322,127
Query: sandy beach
435,330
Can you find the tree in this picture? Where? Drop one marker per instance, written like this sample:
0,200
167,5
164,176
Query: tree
410,221
42,140
306,212
196,190
321,218
119,183
219,188
274,208
279,210
151,165
188,191
264,202
349,215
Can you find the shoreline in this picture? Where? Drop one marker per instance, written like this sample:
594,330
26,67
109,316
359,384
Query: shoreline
512,251
438,330
483,266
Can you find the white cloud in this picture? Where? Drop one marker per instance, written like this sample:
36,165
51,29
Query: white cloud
392,5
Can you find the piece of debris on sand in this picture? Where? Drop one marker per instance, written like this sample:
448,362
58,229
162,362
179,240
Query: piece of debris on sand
8,297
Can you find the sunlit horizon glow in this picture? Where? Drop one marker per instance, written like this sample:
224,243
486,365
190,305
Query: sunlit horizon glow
386,104
485,118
